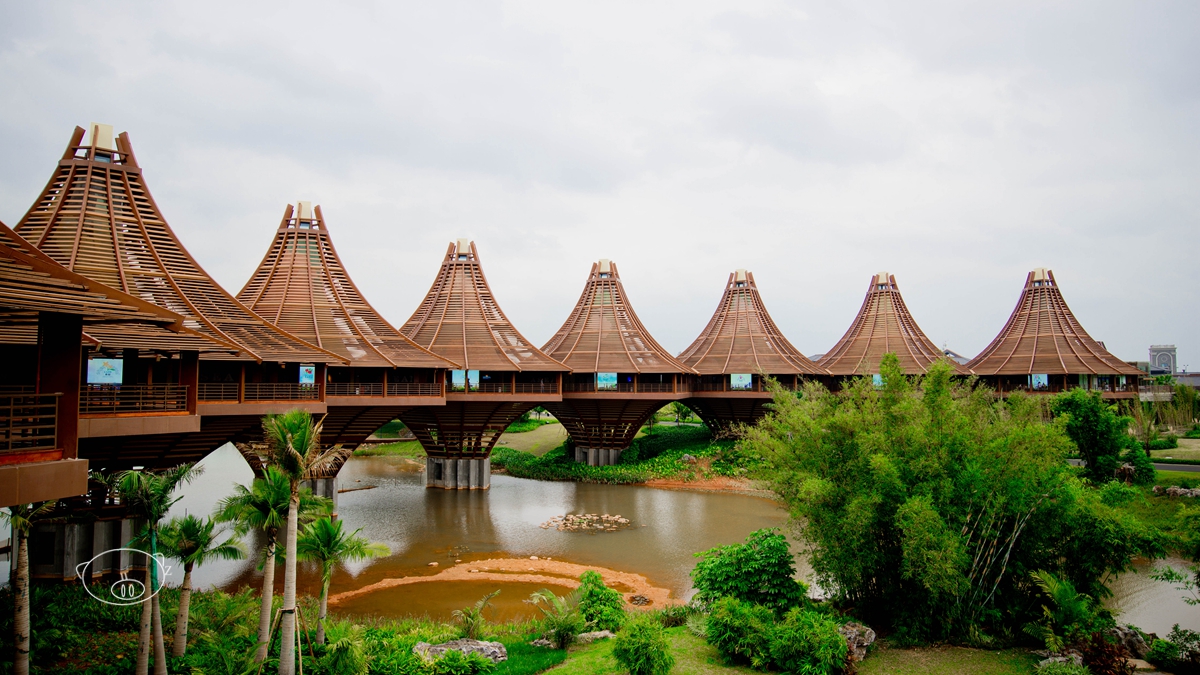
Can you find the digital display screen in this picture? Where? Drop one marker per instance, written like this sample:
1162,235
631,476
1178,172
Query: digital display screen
877,380
458,380
741,381
308,374
606,381
1039,381
105,371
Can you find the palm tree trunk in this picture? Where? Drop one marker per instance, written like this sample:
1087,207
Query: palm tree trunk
287,649
21,600
321,614
181,621
160,648
268,596
143,657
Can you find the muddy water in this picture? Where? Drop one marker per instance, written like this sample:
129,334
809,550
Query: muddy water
422,526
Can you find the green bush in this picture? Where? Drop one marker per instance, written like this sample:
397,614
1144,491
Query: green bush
1163,654
807,642
1169,443
457,663
602,607
740,631
1194,433
1143,466
641,648
675,615
1062,668
759,571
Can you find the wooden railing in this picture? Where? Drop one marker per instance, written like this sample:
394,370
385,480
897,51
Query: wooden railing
537,387
622,387
218,391
494,388
414,389
655,387
354,389
28,422
101,399
280,391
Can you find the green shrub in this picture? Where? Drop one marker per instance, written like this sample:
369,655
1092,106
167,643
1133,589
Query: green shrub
740,631
1194,433
675,615
602,607
1169,443
641,648
561,620
1163,654
759,571
1098,431
1143,466
457,663
1103,656
807,642
1062,668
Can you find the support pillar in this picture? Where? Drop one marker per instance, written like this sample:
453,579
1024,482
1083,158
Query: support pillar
458,474
598,456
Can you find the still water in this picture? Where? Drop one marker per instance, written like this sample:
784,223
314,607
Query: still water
422,526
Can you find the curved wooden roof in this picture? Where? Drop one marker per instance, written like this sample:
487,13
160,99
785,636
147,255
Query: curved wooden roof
30,282
302,286
96,217
1042,336
460,320
603,334
883,325
741,337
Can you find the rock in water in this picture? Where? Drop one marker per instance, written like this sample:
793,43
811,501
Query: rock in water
858,638
493,651
588,638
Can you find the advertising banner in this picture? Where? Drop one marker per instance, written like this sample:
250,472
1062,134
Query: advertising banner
105,371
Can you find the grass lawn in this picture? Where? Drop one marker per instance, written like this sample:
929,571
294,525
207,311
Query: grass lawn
1189,448
539,441
693,656
399,449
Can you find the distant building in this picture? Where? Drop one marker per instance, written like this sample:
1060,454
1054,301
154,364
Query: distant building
955,356
1162,360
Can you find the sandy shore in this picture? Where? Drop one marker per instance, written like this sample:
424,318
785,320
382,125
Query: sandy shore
525,570
714,484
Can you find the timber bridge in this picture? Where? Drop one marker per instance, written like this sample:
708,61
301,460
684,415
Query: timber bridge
136,357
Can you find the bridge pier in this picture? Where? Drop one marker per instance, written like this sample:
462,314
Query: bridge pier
598,456
452,473
325,487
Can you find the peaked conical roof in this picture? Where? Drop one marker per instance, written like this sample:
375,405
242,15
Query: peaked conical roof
741,337
883,325
96,217
302,287
604,334
460,320
1043,336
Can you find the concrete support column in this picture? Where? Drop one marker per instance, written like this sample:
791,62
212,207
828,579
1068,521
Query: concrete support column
598,456
458,474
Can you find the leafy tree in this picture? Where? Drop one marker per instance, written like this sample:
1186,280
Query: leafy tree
294,443
263,507
1098,431
682,412
641,648
21,517
325,542
760,571
602,607
928,501
149,496
193,542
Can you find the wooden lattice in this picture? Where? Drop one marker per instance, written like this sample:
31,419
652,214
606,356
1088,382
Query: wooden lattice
604,334
460,320
741,337
96,217
302,286
1043,336
883,325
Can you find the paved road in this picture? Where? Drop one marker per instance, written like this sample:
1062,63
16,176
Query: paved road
1192,468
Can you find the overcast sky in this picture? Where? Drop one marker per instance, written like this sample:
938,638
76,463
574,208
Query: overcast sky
956,147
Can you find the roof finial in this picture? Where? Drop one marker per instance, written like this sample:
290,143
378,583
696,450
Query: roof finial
102,136
305,209
605,266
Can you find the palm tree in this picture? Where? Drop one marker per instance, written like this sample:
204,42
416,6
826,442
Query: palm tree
294,441
324,541
21,517
149,496
263,507
193,542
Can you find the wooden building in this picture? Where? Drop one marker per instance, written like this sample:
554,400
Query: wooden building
1044,349
302,287
501,375
619,374
97,218
883,325
740,346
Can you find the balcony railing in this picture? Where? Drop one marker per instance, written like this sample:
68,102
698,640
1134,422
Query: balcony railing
537,387
655,387
280,391
494,388
622,387
354,389
101,399
414,389
28,422
218,391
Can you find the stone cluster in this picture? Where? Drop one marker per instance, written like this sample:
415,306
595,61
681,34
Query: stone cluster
1176,491
586,522
493,651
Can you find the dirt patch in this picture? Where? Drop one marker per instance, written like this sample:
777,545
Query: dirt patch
712,484
524,570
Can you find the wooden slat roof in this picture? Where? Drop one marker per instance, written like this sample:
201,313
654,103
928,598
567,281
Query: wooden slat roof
603,334
883,325
96,217
30,282
741,337
1042,336
460,320
302,286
